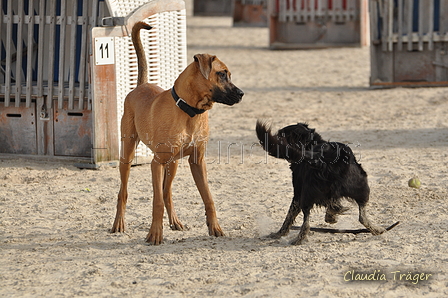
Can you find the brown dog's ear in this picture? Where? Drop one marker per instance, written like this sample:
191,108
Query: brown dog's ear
205,63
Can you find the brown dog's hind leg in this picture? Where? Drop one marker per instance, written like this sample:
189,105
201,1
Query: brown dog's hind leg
199,173
294,210
129,140
305,229
170,172
375,230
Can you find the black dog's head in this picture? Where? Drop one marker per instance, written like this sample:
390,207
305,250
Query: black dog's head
299,135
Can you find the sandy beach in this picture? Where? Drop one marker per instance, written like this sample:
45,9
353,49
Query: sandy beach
55,218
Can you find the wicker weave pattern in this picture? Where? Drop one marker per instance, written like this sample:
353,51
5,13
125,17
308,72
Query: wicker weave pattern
122,8
166,49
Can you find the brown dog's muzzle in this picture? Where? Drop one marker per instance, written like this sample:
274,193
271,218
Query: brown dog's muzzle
229,96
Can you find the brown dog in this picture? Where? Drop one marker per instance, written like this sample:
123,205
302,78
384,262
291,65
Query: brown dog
173,124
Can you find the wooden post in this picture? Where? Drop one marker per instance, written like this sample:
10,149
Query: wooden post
105,132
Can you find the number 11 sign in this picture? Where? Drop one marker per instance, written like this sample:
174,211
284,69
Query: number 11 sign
104,50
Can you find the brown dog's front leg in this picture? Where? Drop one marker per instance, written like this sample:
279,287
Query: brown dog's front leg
155,235
170,172
199,172
129,140
119,223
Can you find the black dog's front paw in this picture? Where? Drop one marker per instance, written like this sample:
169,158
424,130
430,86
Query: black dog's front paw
299,240
276,235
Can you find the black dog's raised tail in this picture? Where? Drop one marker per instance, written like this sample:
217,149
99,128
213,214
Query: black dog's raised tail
275,145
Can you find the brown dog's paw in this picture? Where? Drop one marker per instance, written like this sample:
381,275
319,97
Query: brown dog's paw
215,230
176,225
118,226
155,236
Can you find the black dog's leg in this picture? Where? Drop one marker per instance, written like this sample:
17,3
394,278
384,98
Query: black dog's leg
294,210
304,230
333,211
375,230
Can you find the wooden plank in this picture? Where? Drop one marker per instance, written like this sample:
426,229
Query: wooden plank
83,59
409,84
410,20
44,128
400,25
350,10
443,18
430,24
374,16
414,38
40,49
1,18
19,54
105,123
72,132
291,11
381,60
273,21
73,46
8,57
390,25
282,11
51,50
421,21
363,22
94,20
30,51
384,13
337,11
323,8
18,134
106,141
62,50
92,23
101,13
300,15
313,10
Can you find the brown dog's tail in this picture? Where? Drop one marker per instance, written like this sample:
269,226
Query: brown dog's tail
141,58
276,145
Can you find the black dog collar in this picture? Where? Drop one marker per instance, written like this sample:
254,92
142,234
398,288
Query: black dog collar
184,106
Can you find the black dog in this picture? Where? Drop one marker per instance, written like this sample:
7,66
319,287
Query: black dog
322,174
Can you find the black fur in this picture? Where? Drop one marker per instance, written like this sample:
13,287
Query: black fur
322,174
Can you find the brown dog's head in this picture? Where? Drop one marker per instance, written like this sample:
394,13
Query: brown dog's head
219,86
